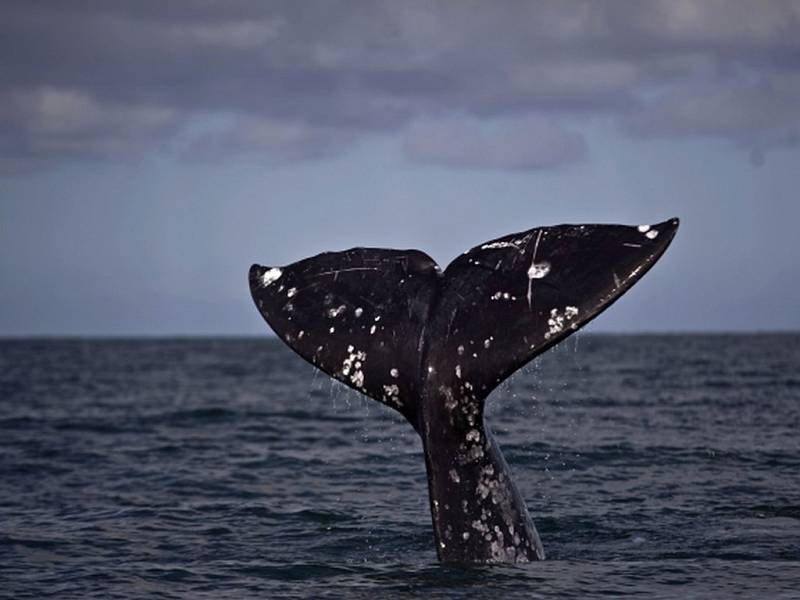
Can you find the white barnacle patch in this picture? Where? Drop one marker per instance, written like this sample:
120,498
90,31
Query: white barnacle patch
291,292
473,435
301,334
503,296
358,378
391,394
394,373
652,234
486,482
351,366
454,477
359,311
558,321
372,330
643,228
488,341
335,312
480,526
498,245
450,402
458,371
460,350
538,270
332,329
271,275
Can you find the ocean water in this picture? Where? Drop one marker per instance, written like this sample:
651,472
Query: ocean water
653,466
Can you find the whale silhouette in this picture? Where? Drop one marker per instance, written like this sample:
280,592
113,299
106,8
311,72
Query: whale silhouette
433,345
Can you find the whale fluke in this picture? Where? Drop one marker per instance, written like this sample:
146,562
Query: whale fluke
433,345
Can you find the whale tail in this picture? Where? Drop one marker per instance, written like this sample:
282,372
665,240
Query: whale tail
433,345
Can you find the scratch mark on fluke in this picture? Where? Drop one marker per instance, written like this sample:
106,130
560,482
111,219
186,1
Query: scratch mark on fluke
433,345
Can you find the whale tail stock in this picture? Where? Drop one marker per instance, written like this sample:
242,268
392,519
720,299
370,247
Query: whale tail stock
433,345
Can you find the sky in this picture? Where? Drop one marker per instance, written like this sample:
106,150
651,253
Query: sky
151,151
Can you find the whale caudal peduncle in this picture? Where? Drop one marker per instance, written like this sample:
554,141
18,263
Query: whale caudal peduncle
433,345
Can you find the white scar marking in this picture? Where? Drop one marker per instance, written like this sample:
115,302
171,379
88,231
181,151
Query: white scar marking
652,234
532,271
644,228
291,292
269,276
372,330
458,371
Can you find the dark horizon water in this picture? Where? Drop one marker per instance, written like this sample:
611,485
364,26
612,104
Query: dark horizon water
653,466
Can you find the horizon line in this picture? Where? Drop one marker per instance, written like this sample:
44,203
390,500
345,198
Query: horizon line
271,336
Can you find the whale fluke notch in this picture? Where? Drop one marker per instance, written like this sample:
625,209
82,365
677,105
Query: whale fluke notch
433,345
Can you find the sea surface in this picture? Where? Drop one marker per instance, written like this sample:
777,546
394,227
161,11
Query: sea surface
653,466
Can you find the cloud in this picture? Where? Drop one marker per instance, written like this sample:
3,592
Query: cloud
520,144
49,124
129,75
758,115
275,141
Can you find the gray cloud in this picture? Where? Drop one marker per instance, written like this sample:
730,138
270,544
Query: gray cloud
297,81
274,140
48,124
759,114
